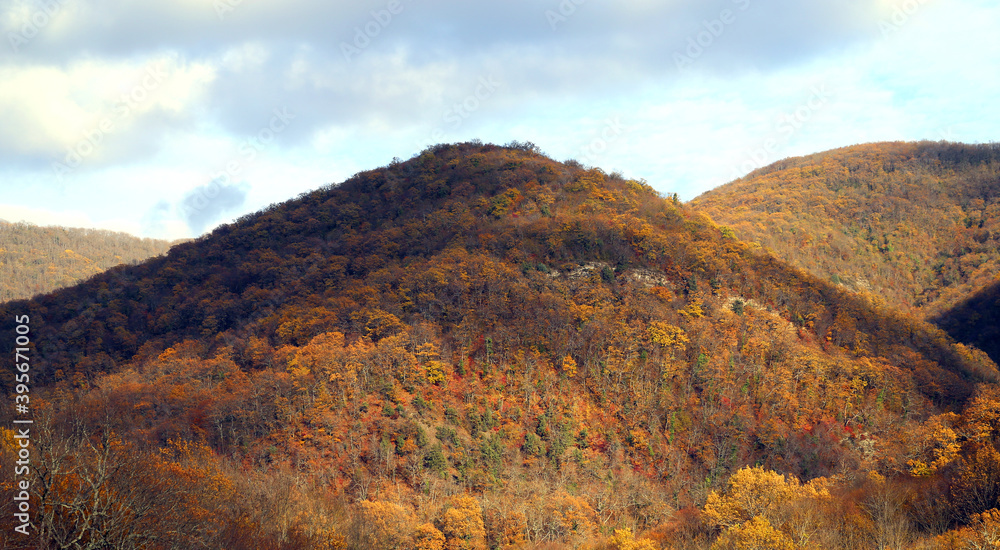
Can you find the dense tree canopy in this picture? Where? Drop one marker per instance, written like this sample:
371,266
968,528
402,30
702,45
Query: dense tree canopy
484,348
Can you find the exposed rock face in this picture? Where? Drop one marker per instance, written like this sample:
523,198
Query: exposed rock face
648,277
587,270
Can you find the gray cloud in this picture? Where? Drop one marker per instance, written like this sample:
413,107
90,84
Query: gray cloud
206,204
544,48
451,28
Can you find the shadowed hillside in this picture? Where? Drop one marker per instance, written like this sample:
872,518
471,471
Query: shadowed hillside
976,320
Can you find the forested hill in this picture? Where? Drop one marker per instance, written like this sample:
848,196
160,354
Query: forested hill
917,224
302,260
36,260
480,348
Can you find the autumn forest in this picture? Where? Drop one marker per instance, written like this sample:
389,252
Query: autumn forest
482,348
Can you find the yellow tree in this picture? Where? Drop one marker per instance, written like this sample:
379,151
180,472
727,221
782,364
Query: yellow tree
939,444
625,540
569,366
756,534
751,492
759,501
982,415
671,338
428,537
383,525
462,524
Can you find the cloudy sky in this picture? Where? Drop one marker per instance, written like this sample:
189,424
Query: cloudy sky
164,119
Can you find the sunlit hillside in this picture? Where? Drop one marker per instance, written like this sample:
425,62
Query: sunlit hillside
35,260
914,224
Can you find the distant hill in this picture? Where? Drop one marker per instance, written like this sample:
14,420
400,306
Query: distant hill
914,224
481,347
36,260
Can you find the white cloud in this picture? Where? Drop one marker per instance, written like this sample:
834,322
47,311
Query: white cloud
49,110
245,57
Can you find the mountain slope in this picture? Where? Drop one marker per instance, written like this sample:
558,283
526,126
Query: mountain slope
36,260
917,224
567,349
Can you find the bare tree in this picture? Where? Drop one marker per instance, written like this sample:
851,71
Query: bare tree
95,491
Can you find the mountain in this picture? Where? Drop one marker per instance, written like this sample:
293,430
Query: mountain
36,260
916,224
481,347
